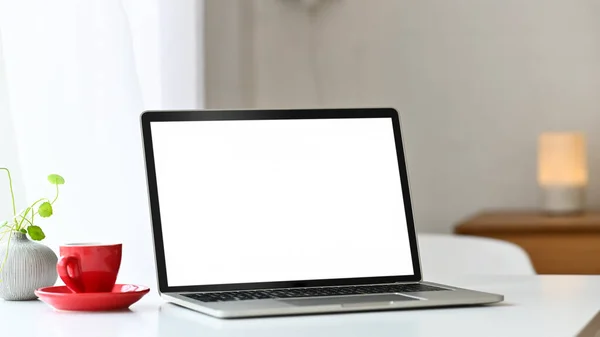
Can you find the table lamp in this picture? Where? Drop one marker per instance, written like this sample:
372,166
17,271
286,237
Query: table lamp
562,171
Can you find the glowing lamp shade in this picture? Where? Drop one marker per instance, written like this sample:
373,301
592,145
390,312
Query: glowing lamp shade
562,171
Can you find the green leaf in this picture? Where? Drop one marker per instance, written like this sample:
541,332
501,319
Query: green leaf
36,233
45,210
56,179
23,231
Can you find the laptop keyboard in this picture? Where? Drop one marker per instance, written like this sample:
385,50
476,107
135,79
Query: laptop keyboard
310,292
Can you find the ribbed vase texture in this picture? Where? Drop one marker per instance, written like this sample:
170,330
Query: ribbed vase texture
29,266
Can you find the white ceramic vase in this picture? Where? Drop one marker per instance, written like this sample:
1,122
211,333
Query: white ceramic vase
29,266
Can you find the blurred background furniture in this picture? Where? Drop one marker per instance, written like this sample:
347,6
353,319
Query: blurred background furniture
444,256
565,244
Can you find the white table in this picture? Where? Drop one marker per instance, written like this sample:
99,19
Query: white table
534,306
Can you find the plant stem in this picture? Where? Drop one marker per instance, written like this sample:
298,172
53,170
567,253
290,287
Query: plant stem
12,193
4,234
25,219
33,213
30,208
56,197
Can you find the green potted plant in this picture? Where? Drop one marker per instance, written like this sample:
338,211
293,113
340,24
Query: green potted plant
26,265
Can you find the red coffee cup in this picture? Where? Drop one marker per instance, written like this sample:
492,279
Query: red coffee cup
89,267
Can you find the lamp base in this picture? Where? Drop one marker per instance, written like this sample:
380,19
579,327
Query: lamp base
560,200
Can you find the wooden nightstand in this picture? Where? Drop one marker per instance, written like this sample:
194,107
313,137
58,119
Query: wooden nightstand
555,244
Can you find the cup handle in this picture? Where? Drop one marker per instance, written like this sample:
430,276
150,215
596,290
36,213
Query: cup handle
72,282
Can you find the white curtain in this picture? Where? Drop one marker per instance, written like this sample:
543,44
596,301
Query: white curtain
74,77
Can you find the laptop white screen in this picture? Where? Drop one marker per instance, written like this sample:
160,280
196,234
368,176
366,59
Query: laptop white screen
280,200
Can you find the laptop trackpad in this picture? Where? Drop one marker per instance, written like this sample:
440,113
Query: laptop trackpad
349,301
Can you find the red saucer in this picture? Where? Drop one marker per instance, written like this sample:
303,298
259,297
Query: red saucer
121,297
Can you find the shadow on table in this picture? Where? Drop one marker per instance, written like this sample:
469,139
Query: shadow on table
53,323
179,321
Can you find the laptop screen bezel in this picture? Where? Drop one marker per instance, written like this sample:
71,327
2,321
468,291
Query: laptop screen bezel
148,117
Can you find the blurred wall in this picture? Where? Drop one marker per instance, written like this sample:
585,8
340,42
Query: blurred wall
9,158
475,82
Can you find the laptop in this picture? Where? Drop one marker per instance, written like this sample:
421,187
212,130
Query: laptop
280,212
